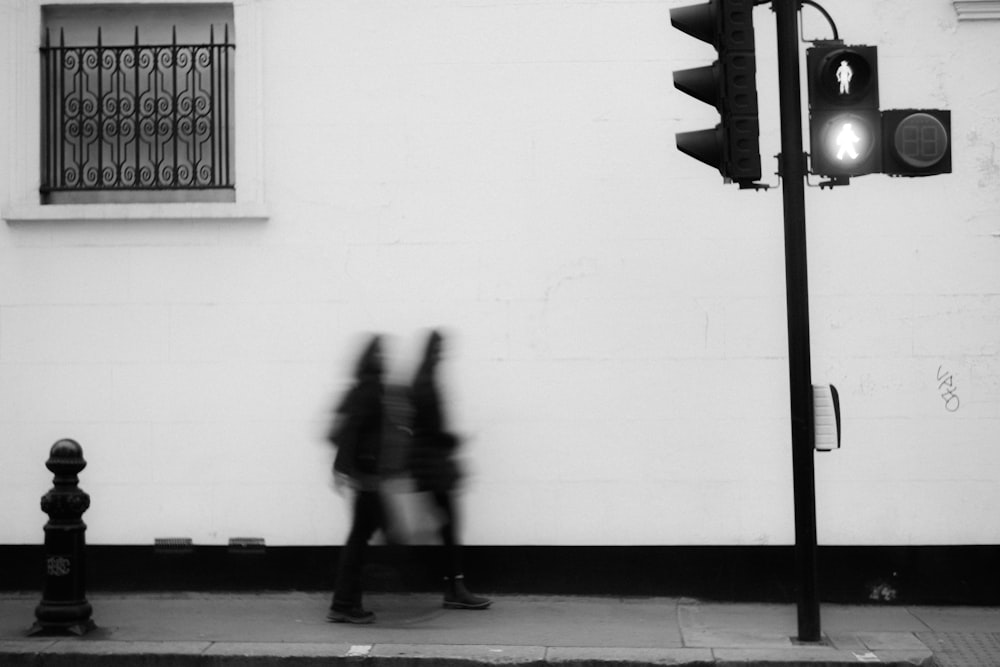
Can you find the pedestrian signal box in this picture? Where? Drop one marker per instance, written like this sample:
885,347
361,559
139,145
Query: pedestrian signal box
845,125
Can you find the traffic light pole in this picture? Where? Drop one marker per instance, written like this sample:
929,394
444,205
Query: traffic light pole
793,171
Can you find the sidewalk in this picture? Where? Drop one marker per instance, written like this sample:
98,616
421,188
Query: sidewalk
290,629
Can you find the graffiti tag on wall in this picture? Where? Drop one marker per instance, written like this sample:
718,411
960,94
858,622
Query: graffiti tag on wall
946,385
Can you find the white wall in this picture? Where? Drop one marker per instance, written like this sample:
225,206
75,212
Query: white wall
619,358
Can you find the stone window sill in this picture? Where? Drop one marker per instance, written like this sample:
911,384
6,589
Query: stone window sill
136,212
977,10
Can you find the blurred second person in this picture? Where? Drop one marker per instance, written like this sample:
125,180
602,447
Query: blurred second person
436,471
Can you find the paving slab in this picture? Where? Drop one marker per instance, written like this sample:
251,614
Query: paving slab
846,641
277,650
886,641
820,657
611,657
869,618
958,619
737,626
964,649
437,654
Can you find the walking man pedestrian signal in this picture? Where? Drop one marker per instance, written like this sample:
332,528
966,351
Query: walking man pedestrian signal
847,142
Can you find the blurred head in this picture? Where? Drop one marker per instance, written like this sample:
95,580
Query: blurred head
370,363
432,354
435,344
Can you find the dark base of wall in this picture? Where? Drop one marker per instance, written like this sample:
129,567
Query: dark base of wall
900,575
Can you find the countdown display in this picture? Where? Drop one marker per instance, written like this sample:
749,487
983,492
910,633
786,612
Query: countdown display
916,142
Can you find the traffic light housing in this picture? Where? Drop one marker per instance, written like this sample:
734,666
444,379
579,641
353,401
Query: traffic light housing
845,125
916,142
729,84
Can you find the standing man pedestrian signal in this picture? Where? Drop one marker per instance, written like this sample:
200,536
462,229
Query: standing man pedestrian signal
844,76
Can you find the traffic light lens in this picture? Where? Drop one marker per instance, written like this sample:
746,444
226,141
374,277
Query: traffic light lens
920,140
846,75
845,142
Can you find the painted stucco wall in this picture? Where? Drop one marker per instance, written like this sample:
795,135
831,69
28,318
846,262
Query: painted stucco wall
618,357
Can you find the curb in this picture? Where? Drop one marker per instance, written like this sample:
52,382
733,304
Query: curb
105,653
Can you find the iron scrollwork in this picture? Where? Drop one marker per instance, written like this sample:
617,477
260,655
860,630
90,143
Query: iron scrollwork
137,117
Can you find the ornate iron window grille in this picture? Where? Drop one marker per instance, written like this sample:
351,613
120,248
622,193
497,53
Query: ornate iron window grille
138,117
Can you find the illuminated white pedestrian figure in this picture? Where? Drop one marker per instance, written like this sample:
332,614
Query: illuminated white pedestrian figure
844,76
847,142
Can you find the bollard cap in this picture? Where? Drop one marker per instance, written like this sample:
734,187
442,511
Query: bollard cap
66,449
66,501
66,456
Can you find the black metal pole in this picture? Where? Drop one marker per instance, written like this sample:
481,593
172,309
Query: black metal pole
793,169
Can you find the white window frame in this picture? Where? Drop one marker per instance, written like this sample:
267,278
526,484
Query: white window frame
23,166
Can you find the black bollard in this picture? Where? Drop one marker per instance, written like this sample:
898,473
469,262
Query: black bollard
64,607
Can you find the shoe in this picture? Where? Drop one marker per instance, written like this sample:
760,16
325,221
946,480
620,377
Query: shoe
352,615
457,596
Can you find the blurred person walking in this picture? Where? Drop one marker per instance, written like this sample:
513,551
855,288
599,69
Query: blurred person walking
357,433
436,471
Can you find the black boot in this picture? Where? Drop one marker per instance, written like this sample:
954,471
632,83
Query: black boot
457,596
338,614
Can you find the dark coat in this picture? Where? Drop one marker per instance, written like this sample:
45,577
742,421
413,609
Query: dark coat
358,425
358,432
432,455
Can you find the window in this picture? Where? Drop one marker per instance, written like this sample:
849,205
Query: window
148,112
194,151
